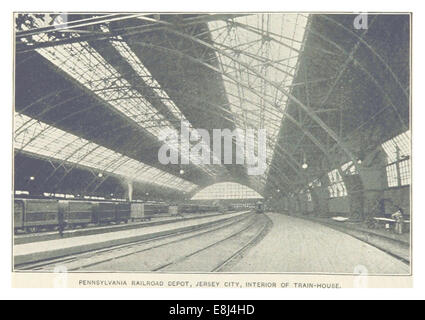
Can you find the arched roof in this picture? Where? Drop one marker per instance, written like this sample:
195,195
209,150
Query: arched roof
226,190
325,92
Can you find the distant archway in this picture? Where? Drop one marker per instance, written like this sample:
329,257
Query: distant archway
226,190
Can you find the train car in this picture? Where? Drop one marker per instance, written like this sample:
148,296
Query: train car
145,211
202,208
123,212
39,214
104,212
173,210
18,215
152,209
163,208
76,213
182,208
137,211
207,208
32,215
149,210
188,208
259,207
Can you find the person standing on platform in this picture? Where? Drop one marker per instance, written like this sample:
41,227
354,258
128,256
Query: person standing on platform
399,220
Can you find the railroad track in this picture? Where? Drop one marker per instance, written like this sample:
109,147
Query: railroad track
216,256
95,257
238,253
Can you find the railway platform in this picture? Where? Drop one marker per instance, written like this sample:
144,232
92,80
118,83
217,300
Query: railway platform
395,244
50,249
92,230
303,246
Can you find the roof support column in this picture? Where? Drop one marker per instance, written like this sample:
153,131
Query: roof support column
130,190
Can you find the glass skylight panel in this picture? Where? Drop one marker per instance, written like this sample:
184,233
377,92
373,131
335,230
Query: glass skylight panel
336,185
36,137
88,67
315,183
334,176
251,44
397,149
125,51
392,175
349,169
402,142
405,172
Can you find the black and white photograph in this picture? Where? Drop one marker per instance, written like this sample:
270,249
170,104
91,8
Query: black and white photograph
266,144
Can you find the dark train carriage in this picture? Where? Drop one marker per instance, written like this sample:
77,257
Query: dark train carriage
76,212
18,214
40,213
181,208
151,209
207,208
123,212
104,212
162,208
202,208
259,207
188,208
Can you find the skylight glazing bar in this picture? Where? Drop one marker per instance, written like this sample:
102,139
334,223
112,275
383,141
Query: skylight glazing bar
125,51
84,64
45,141
258,36
402,142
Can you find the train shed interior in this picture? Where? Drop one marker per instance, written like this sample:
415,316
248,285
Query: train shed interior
102,99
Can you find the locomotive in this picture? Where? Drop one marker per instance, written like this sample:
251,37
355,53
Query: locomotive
259,207
33,215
